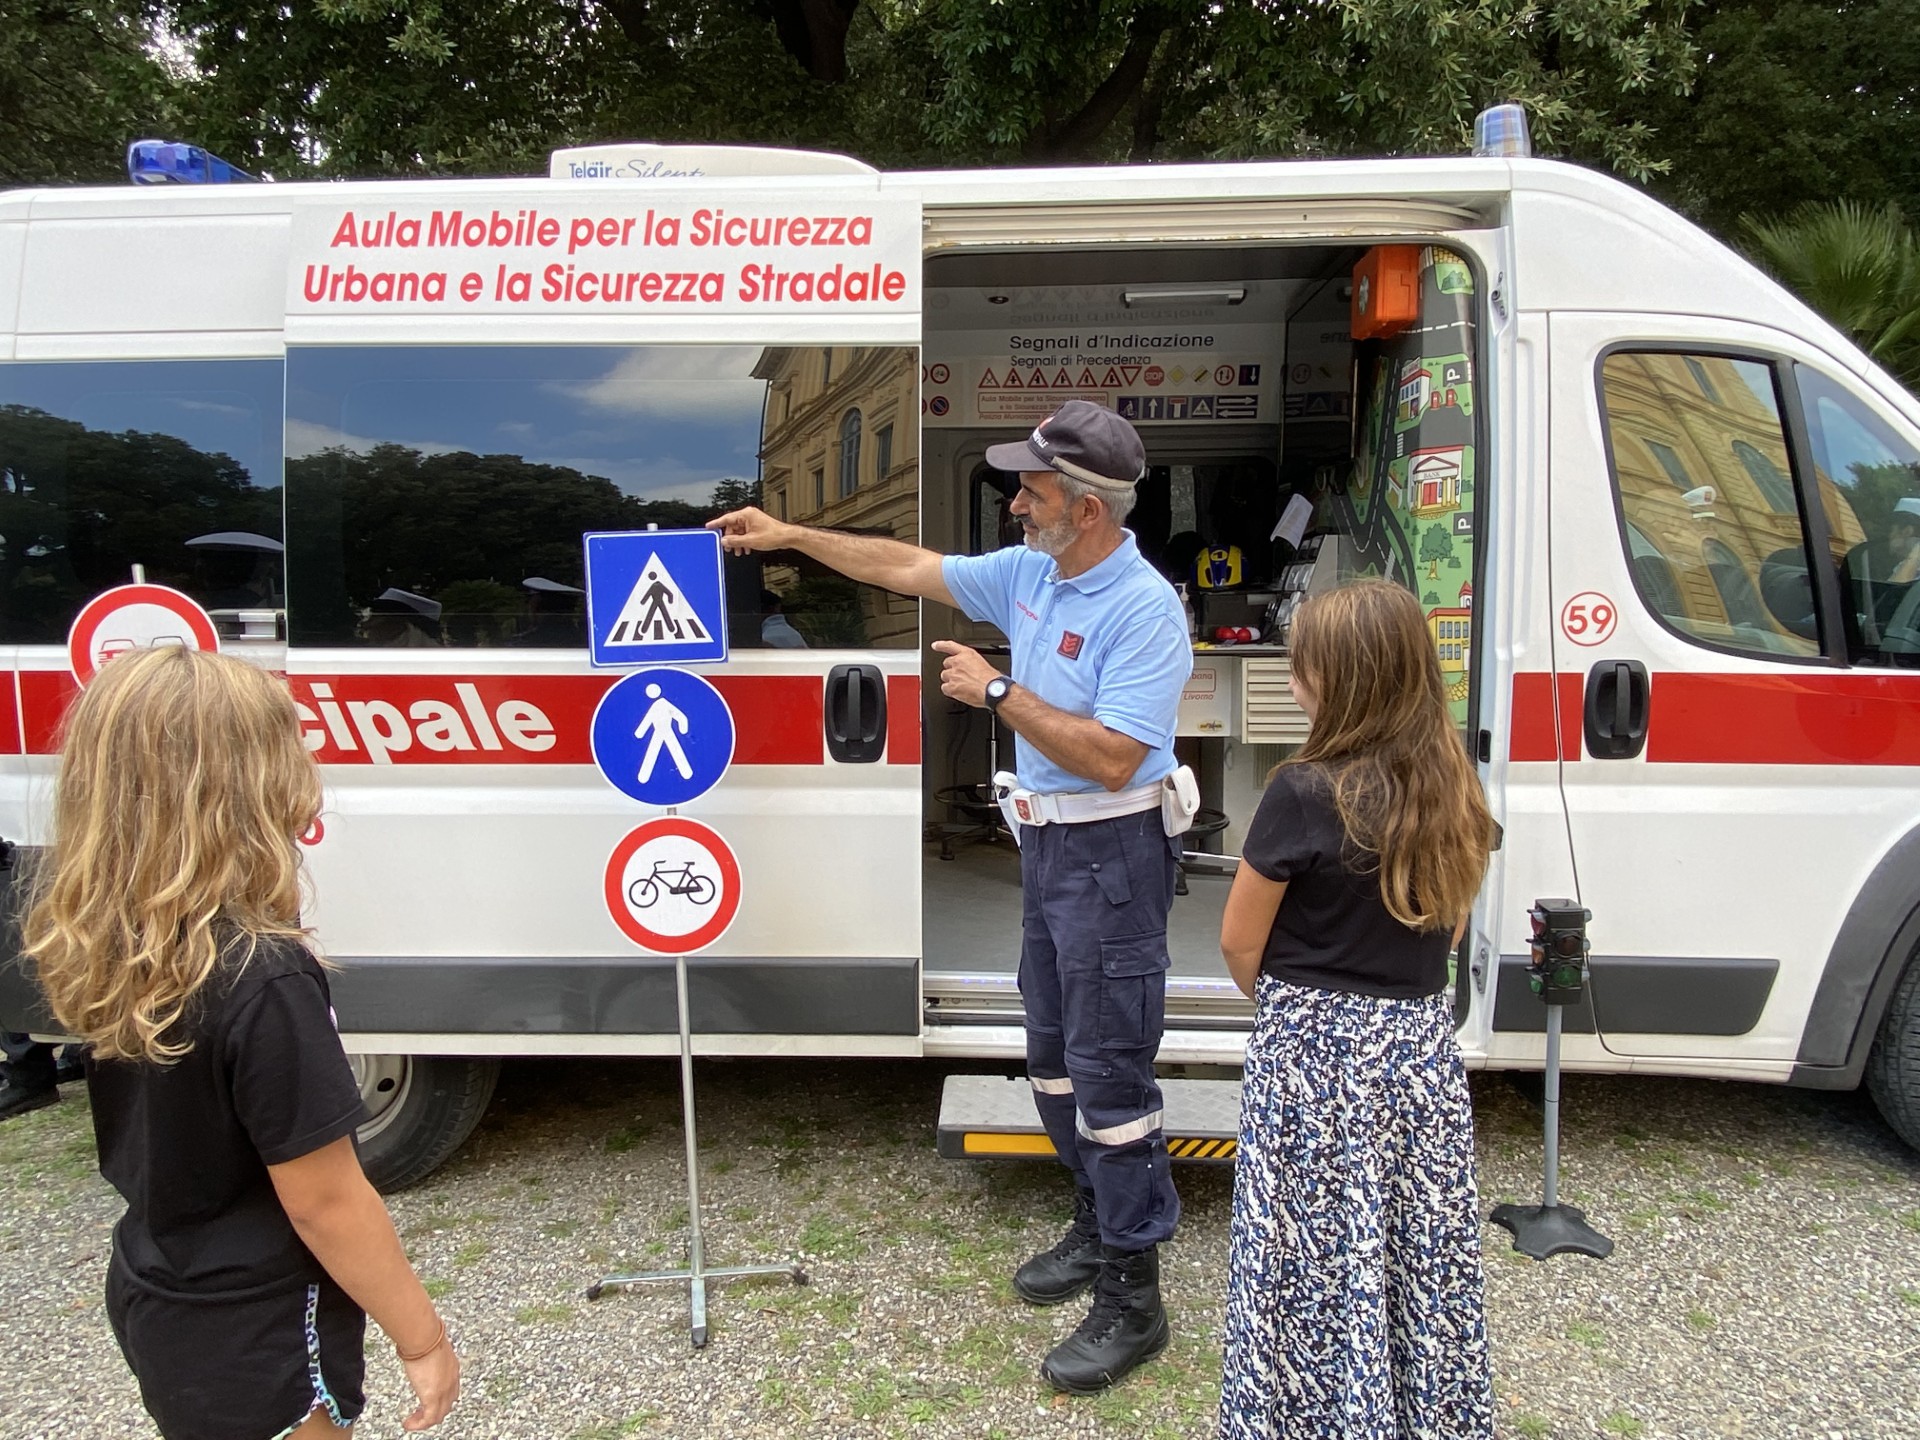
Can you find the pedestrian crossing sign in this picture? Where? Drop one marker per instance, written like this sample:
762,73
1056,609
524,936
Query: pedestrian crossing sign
655,597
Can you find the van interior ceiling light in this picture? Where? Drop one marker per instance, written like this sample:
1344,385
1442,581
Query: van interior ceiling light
1224,296
1501,131
165,162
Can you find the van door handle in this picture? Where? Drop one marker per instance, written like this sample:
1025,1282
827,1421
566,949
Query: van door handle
1619,704
856,714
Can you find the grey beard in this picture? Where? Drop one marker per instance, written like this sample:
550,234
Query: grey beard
1049,541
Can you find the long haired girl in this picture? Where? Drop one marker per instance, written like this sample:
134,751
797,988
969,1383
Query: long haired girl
1354,1303
165,931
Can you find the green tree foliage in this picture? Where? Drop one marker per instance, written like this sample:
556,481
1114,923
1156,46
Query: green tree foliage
1793,101
428,523
378,87
79,508
1859,267
77,82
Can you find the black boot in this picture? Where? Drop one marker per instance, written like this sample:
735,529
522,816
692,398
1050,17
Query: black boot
1059,1274
19,1094
1125,1328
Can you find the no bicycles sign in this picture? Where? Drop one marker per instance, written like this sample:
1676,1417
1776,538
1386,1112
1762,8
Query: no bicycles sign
673,886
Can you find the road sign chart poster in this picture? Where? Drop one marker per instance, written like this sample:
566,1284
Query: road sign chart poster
655,597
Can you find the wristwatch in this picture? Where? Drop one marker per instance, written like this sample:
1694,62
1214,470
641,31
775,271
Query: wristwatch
997,689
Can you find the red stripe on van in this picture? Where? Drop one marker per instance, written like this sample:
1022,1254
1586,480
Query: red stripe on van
1534,735
9,715
1850,718
44,697
480,719
903,720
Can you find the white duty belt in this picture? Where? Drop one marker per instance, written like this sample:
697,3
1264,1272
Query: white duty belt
1031,807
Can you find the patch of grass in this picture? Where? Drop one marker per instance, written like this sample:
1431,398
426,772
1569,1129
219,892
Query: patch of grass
1582,1332
503,1386
873,1397
620,1141
436,1288
617,1429
1911,1297
742,1214
838,1307
560,1229
472,1253
1621,1423
1911,1220
1701,1320
722,1166
543,1314
1533,1427
1698,1201
830,1239
610,1207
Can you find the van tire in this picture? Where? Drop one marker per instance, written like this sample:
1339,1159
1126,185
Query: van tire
1893,1065
419,1110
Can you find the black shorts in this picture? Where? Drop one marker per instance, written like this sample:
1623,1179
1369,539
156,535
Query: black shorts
250,1366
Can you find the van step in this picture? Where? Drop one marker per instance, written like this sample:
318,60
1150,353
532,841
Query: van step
990,1117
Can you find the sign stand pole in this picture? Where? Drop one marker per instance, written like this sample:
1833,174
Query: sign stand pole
1558,975
697,1272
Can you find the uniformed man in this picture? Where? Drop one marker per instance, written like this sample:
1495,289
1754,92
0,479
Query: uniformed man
1100,653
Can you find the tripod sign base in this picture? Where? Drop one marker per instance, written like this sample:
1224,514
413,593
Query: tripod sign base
1543,1230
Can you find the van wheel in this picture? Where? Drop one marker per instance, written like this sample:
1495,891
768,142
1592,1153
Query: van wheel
419,1109
1893,1065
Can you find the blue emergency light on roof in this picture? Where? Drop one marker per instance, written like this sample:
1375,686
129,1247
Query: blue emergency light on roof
1501,130
163,162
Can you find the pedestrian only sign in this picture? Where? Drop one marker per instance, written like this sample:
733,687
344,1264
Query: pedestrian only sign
655,597
135,617
673,886
662,737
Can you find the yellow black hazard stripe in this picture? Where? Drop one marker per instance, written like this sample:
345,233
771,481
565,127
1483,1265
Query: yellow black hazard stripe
1027,1145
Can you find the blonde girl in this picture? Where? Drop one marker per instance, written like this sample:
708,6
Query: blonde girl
1354,1304
165,931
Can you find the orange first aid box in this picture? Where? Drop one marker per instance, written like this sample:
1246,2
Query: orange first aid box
1386,291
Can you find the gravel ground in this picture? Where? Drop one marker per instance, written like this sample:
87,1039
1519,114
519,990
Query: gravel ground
1767,1280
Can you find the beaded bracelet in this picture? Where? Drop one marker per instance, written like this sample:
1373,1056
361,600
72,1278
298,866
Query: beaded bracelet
438,1341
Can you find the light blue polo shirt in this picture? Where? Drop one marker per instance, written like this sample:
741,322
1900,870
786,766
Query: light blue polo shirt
1111,643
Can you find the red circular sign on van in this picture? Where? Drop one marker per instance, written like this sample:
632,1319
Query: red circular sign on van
135,617
673,886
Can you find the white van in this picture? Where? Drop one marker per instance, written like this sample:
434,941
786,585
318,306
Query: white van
1661,517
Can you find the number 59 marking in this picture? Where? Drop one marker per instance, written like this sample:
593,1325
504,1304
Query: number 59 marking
1588,618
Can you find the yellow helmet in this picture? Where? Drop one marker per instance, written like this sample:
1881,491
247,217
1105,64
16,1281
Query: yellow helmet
1217,567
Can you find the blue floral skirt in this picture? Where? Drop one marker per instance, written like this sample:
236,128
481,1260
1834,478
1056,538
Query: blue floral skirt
1355,1293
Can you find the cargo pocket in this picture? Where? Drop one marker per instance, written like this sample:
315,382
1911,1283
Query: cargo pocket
1133,990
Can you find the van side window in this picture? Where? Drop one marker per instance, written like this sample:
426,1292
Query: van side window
1870,491
437,495
1702,474
172,465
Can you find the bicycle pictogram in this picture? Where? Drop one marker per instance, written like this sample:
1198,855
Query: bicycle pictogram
671,881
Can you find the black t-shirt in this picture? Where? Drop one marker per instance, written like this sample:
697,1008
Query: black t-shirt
1333,930
188,1144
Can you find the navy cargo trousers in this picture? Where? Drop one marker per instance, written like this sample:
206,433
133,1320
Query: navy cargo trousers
1093,981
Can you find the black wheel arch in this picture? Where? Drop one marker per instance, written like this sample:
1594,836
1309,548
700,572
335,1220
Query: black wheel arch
1869,954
